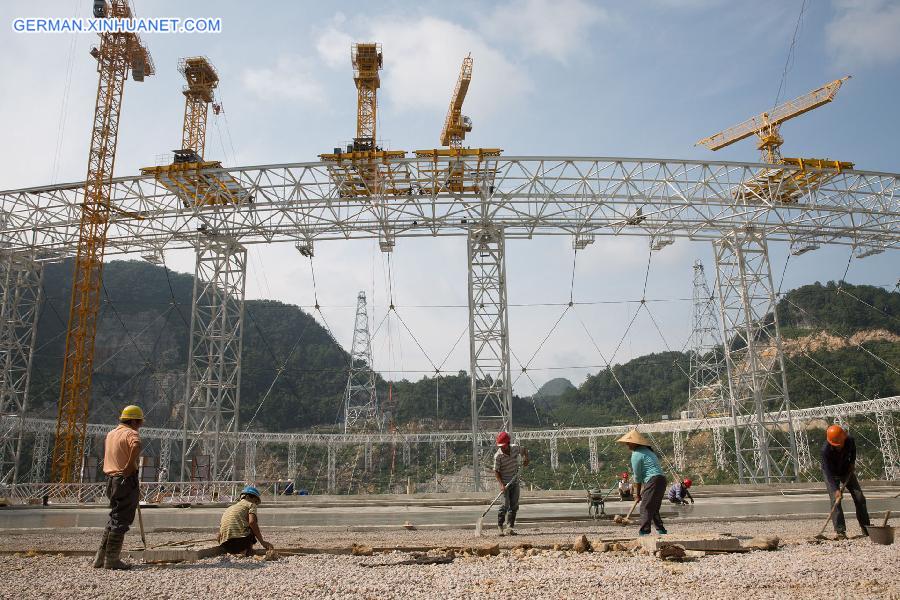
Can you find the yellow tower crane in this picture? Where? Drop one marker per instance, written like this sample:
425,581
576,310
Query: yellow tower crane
117,54
765,126
202,80
802,175
457,125
188,176
367,61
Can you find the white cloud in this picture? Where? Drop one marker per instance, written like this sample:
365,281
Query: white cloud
557,28
333,45
864,33
290,78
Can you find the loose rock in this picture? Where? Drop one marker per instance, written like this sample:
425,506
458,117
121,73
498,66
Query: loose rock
361,550
582,545
764,542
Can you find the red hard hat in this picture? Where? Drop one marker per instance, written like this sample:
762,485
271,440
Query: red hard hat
836,435
625,475
502,439
687,483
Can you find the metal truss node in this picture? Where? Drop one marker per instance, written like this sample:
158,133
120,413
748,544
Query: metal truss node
491,392
212,397
360,399
758,397
887,436
20,298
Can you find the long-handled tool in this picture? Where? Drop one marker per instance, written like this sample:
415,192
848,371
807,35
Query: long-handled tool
837,501
140,517
480,521
626,520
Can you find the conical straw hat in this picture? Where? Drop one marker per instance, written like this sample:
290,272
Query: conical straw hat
635,437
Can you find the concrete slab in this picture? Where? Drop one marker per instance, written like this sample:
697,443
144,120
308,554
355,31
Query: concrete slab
180,554
703,544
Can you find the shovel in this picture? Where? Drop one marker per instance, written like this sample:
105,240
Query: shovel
837,501
626,520
480,521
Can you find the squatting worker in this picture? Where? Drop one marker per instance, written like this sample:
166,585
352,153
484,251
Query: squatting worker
649,481
680,492
839,468
120,463
239,527
506,468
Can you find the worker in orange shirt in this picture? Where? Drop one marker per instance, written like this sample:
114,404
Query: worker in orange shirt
120,463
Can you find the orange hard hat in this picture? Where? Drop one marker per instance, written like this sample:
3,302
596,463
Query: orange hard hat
836,435
687,483
502,439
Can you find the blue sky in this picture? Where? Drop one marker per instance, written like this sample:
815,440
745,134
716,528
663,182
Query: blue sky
641,78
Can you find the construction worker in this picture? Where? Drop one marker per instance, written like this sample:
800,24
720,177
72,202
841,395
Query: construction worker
625,491
239,527
120,464
679,493
506,470
649,480
839,470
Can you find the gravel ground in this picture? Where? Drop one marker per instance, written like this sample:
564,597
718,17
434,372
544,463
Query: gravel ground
854,568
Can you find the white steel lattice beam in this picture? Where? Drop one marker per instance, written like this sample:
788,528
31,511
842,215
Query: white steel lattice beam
804,460
20,298
212,398
578,197
165,459
554,454
754,360
250,459
39,456
332,469
491,390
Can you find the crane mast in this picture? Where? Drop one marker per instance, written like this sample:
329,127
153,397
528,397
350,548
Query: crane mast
367,61
456,125
117,54
199,93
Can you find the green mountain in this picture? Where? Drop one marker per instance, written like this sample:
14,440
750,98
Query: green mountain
142,341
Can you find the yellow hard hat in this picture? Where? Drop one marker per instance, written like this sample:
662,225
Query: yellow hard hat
131,412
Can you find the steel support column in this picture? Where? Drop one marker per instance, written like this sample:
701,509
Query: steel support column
165,459
705,389
39,456
332,469
801,439
360,399
367,454
292,461
593,458
212,397
678,450
720,449
20,299
887,437
490,392
250,459
754,360
554,454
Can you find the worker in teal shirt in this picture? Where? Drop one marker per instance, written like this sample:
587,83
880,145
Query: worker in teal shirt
649,480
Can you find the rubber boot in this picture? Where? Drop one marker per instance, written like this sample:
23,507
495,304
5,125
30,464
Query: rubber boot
100,556
114,551
511,522
501,519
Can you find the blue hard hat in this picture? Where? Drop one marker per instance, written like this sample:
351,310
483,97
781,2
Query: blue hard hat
250,491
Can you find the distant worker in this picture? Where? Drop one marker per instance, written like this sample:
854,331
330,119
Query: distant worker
679,493
839,469
506,470
289,488
120,464
239,527
649,481
625,489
